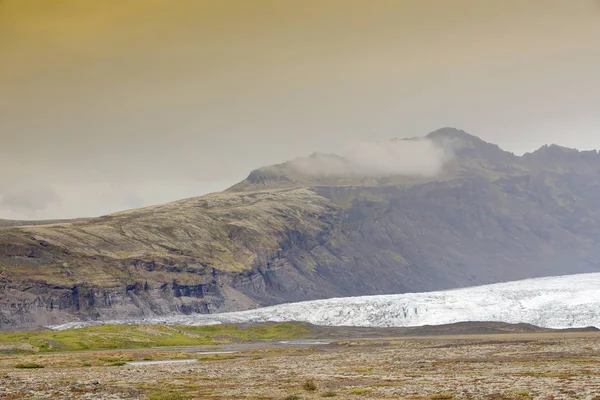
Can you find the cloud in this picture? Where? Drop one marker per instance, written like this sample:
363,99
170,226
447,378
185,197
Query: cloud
419,156
94,198
28,200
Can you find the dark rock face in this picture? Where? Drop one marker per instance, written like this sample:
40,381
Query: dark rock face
489,217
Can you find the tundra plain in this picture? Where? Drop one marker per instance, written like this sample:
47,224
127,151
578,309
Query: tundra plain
313,363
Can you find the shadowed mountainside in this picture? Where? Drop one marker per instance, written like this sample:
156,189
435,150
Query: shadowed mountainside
283,235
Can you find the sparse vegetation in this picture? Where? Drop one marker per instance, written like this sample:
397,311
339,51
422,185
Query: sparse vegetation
292,397
309,385
166,396
441,396
30,365
520,393
497,367
361,391
118,364
271,331
364,371
143,336
216,357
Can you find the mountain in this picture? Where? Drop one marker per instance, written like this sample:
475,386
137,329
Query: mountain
412,215
557,302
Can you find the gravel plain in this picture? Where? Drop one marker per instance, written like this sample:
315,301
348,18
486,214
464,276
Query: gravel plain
507,366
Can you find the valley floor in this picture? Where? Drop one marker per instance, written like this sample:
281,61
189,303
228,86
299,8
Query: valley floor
507,366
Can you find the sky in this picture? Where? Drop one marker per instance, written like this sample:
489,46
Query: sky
116,104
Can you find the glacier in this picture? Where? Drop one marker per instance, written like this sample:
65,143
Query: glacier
569,301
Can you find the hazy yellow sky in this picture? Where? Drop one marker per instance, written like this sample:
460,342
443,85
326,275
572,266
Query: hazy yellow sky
110,104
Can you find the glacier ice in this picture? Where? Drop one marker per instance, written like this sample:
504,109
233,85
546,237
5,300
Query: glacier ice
553,302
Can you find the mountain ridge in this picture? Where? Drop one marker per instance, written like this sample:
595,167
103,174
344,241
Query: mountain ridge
486,216
466,148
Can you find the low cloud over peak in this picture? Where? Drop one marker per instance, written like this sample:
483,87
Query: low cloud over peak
420,157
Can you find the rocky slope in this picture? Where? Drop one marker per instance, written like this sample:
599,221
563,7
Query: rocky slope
283,235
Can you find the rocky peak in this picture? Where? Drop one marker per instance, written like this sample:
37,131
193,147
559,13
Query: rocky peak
469,148
452,133
562,159
553,150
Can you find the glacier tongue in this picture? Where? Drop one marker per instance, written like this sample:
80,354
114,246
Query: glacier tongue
554,302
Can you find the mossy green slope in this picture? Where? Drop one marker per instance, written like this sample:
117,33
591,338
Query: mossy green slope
108,337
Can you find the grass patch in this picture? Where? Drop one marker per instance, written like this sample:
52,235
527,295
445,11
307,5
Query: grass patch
309,385
271,331
16,351
363,371
292,397
360,391
216,358
329,394
112,337
114,359
441,396
29,366
166,396
117,364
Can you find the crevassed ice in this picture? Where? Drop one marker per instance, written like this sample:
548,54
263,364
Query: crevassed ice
553,302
